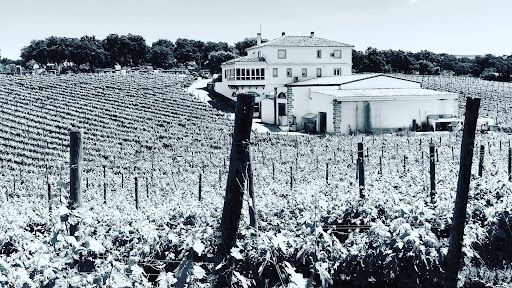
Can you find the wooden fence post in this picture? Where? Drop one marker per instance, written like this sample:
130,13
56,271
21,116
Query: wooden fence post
235,187
481,164
432,173
75,173
452,263
136,194
291,177
200,180
509,164
360,165
104,185
327,173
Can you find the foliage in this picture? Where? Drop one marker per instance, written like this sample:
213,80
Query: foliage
316,235
428,63
162,54
241,46
217,58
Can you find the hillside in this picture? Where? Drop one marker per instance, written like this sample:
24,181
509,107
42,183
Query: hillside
124,115
313,225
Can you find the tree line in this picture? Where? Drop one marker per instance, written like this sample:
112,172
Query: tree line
87,53
424,62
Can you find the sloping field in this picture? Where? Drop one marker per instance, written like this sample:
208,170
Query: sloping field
313,226
116,114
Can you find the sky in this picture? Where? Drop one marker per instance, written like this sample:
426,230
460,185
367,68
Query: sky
459,27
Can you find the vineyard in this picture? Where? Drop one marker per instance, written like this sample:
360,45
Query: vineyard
313,230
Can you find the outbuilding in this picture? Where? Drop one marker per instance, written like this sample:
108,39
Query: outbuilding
361,103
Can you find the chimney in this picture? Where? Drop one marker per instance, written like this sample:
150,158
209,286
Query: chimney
283,34
258,39
312,34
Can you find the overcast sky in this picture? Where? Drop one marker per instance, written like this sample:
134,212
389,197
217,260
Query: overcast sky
461,27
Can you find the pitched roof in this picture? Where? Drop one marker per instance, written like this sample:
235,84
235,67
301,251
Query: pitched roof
245,59
384,94
301,41
340,80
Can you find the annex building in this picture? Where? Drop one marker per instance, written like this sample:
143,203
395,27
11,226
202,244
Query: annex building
306,83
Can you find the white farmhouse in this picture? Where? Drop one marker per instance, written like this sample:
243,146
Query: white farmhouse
281,61
305,83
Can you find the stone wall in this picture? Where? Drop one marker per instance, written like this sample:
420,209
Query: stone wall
337,116
289,104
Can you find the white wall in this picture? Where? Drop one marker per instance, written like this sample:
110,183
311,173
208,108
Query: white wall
391,114
299,55
381,82
267,108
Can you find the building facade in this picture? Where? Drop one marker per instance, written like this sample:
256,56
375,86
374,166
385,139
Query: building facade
269,66
306,83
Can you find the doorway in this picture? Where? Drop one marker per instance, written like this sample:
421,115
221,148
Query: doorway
322,122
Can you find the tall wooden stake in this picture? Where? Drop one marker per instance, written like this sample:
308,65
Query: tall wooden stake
104,185
75,173
235,187
509,164
452,263
136,194
432,173
481,164
360,165
327,173
200,180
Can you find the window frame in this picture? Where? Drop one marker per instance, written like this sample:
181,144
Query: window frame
336,70
304,72
319,54
275,72
289,72
318,72
279,56
334,54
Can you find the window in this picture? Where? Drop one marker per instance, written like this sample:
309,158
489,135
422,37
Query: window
337,54
281,54
318,72
288,72
304,72
318,53
337,72
274,72
248,74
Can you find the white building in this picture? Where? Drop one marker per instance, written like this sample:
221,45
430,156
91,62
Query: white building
305,83
287,59
364,103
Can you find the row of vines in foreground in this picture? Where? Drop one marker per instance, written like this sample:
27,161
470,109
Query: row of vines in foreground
318,231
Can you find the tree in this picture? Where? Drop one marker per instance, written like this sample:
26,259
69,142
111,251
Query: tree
242,46
187,50
217,58
359,61
376,62
426,68
161,54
